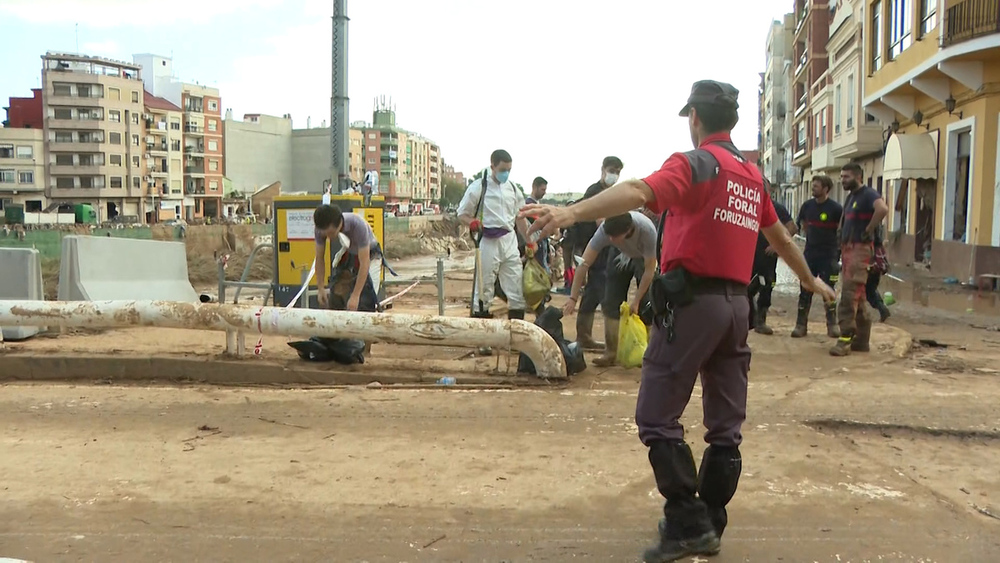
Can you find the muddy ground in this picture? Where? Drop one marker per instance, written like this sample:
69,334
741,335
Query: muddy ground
886,456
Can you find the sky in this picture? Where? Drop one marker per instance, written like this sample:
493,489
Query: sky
560,84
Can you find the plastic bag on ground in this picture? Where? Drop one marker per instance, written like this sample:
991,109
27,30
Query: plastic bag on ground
341,350
632,338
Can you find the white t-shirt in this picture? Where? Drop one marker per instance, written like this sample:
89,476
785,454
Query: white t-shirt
500,206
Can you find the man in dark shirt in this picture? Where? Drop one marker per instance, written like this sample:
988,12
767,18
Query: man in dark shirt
593,292
864,210
820,218
765,270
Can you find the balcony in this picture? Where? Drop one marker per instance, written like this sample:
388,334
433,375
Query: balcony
194,149
196,129
157,128
803,59
194,169
159,171
195,188
157,147
970,19
75,169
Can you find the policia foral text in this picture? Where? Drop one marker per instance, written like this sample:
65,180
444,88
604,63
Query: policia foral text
716,202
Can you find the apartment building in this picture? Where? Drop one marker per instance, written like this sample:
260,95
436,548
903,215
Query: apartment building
258,151
932,79
22,168
163,140
449,174
773,103
202,134
25,112
812,26
92,111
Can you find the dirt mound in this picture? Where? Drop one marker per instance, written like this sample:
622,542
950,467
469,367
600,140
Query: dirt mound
436,239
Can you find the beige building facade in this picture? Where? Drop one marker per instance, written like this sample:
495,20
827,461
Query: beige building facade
22,169
164,179
92,112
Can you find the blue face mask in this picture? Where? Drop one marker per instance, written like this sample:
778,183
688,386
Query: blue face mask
502,176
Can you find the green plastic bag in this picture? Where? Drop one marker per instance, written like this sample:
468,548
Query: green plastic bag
537,284
632,338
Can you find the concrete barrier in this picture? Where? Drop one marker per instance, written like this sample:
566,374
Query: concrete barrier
103,268
21,278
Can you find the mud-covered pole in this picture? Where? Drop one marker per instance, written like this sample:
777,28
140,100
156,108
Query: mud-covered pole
339,102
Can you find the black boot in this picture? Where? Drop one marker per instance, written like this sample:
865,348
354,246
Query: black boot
760,325
883,312
832,326
686,529
717,481
802,320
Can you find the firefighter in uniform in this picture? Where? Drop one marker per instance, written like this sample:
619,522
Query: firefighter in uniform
717,202
820,217
864,210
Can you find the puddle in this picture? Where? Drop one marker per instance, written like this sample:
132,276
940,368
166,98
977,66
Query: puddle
963,301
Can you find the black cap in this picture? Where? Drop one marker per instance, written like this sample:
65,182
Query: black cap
712,93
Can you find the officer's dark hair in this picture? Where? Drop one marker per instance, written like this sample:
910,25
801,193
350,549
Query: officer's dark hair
539,181
327,216
853,168
499,156
824,181
715,119
618,225
612,162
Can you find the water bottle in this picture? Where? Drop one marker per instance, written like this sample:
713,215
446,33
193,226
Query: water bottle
446,381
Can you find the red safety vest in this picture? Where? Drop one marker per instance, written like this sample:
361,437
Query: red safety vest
715,235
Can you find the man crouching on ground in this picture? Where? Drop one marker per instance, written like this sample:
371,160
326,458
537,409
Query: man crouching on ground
350,284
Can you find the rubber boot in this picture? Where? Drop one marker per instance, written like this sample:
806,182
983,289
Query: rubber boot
611,344
802,320
862,337
686,529
584,330
760,323
842,347
832,327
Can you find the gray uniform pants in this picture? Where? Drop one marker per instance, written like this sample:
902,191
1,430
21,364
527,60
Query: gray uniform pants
710,339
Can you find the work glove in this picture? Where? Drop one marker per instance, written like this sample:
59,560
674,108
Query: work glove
475,226
623,262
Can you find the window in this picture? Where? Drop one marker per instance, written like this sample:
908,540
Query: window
213,105
135,140
135,118
6,176
836,110
115,159
877,44
83,91
213,186
115,115
64,160
61,137
815,125
116,181
899,27
25,152
92,182
850,101
371,135
928,16
213,146
61,89
115,138
175,145
822,133
135,97
136,182
371,148
212,125
114,94
800,138
175,124
6,151
213,165
63,113
26,177
65,183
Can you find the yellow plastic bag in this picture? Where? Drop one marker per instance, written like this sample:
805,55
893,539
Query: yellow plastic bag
632,338
537,283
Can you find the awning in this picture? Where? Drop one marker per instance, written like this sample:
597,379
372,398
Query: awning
910,156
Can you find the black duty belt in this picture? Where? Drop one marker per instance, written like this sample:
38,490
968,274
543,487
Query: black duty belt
717,286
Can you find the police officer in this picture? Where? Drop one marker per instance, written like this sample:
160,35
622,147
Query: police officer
820,217
864,210
765,270
717,201
593,292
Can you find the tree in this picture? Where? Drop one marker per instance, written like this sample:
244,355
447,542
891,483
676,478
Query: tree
452,192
